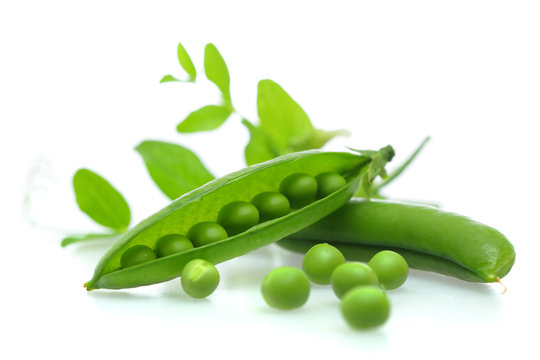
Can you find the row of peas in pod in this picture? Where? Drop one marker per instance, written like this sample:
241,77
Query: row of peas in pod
295,191
360,287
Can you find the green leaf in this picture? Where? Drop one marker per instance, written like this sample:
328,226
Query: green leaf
100,200
281,117
186,63
374,169
174,168
167,78
207,118
319,138
78,238
258,149
217,72
285,124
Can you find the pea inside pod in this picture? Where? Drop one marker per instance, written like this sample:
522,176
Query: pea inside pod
299,188
172,244
238,216
203,205
206,232
271,205
328,182
138,254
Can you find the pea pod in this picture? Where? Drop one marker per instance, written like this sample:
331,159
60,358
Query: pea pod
204,203
428,238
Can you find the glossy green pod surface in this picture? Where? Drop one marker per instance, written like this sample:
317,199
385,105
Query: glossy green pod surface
203,204
428,238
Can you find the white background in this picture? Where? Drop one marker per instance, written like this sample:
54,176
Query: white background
79,88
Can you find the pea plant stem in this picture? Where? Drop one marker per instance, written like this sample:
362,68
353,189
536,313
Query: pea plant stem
403,166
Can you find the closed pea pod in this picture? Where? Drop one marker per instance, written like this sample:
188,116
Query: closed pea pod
203,205
428,239
206,232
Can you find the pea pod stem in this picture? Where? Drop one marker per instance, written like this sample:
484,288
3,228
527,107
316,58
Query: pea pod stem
397,172
428,238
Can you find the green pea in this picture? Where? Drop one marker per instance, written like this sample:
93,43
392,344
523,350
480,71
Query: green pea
300,189
320,261
390,267
285,288
205,233
199,278
136,255
238,216
365,307
349,275
172,244
271,205
329,182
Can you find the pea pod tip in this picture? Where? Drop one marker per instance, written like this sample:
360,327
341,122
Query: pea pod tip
498,279
88,286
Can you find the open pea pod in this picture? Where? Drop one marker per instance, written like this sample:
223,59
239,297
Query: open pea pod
204,203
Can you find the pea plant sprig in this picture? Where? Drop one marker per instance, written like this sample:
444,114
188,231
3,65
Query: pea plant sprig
283,127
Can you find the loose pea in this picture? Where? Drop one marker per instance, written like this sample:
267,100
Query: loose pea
300,189
285,288
320,261
238,216
172,244
390,267
329,182
365,307
271,205
349,275
136,255
199,278
205,233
